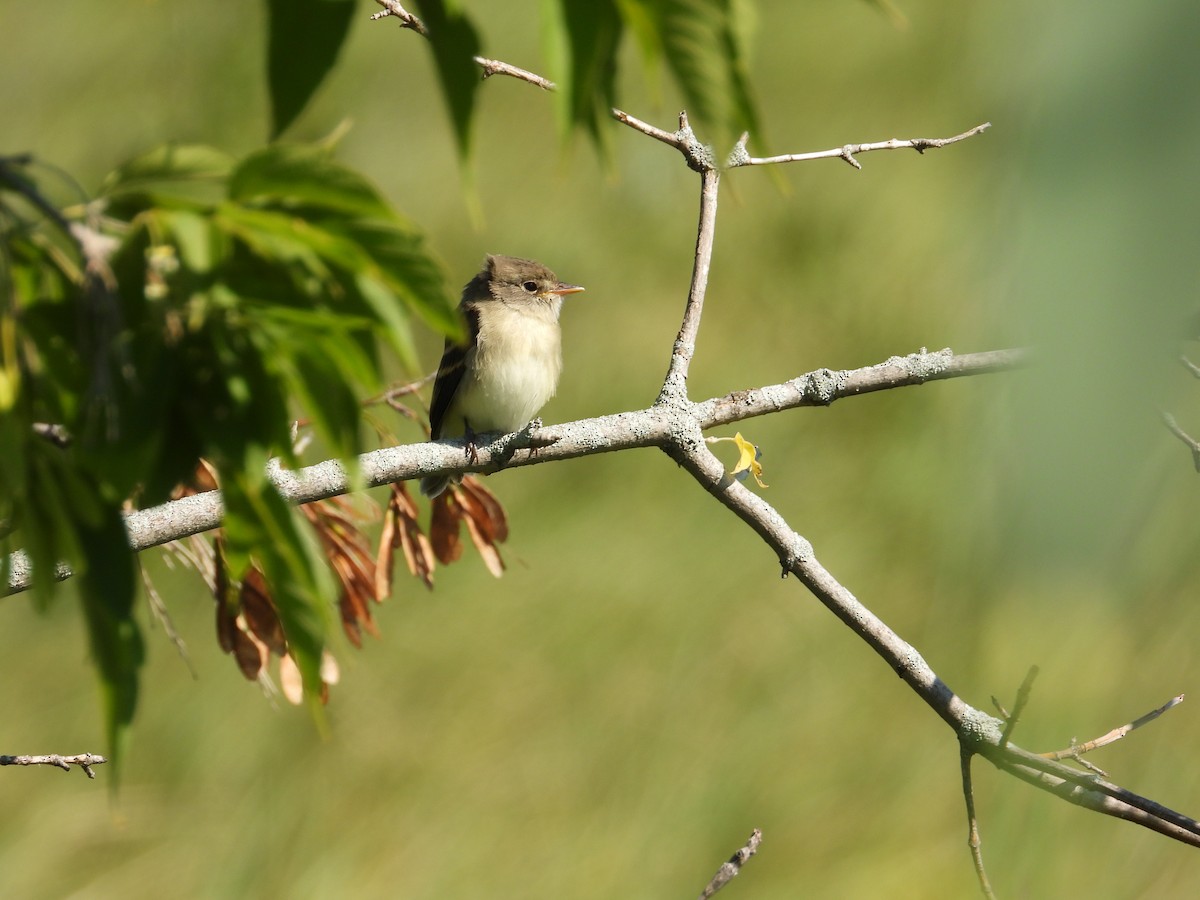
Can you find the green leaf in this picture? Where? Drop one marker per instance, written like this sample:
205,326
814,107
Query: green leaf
407,270
169,175
305,176
108,586
705,46
304,38
455,45
327,362
581,41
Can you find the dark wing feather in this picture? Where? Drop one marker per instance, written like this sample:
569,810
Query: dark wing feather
450,373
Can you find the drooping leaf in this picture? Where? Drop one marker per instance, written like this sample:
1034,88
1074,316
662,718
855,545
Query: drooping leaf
581,42
108,585
304,38
455,45
402,528
704,43
408,272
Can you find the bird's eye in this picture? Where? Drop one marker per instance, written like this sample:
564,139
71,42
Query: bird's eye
530,287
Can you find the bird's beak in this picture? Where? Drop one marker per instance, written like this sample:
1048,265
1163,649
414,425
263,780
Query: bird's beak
565,289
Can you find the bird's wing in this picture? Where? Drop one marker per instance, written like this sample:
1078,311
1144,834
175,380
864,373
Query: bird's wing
450,373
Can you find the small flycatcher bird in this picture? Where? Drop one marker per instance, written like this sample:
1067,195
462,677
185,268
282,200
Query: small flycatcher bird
509,366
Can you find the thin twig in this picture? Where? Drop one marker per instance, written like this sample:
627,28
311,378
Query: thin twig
973,839
730,869
498,67
163,616
848,152
1190,366
490,66
1023,693
404,389
407,19
85,761
1190,442
1077,750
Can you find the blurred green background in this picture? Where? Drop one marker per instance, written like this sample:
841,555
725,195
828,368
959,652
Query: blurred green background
641,689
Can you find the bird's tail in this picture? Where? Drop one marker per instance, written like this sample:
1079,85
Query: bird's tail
436,484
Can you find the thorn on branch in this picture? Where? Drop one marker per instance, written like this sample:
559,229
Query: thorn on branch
85,761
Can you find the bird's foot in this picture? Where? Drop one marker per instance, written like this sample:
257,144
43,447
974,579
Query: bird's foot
471,449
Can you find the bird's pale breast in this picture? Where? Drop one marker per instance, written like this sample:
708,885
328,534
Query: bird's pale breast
515,368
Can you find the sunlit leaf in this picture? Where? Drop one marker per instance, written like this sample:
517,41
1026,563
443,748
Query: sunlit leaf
305,176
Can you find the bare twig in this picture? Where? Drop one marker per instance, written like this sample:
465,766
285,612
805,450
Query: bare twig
85,761
1190,366
699,157
498,67
407,19
1075,751
973,840
847,152
405,389
730,869
490,66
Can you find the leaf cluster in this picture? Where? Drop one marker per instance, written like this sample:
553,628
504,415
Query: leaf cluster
190,312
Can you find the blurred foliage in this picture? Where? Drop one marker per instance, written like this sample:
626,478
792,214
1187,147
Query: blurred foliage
641,671
211,294
179,318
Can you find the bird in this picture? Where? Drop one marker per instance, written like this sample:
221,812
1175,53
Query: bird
505,370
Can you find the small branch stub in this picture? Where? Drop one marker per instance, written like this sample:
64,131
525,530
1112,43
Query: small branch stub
85,761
